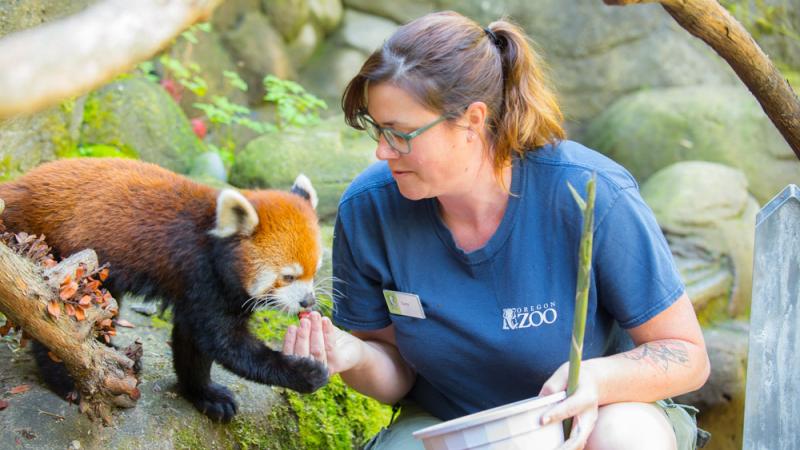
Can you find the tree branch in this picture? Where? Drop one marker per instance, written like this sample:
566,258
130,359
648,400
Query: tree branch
45,65
104,377
709,21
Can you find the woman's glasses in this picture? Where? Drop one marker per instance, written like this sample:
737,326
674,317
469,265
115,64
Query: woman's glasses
397,140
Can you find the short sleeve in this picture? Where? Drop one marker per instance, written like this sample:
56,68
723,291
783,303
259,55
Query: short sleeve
635,275
358,280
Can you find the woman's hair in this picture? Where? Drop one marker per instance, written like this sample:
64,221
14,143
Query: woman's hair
447,61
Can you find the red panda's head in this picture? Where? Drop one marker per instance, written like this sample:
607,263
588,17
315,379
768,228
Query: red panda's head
280,249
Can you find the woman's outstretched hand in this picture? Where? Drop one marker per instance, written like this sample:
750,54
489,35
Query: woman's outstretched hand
318,338
582,405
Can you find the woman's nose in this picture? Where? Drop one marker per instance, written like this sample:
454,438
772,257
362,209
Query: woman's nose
384,151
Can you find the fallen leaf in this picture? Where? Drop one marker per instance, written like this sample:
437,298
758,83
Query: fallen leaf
66,280
67,291
103,274
105,323
69,309
3,405
54,309
79,273
125,323
85,301
79,314
50,262
19,389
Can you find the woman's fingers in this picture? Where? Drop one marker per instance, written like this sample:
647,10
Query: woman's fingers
289,340
303,335
316,339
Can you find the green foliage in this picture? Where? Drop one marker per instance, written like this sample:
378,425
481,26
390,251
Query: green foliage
336,416
760,18
296,107
99,151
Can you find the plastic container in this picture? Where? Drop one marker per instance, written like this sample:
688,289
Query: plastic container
508,427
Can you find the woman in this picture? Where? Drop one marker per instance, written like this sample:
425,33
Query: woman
456,255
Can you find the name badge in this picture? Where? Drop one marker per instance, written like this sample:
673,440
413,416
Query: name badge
403,304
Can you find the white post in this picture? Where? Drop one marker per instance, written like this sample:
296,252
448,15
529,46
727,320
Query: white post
772,405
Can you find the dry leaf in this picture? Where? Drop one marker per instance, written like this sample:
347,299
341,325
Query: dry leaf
125,323
50,262
79,272
69,309
103,274
79,314
19,389
66,280
85,301
54,309
67,291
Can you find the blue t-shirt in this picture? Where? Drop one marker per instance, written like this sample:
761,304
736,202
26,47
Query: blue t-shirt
498,319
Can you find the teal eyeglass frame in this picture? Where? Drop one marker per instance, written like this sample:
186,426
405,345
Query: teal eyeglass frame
394,138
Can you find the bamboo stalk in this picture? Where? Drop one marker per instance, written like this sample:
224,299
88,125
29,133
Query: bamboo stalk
581,288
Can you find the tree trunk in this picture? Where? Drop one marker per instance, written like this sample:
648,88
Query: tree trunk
103,376
709,21
48,64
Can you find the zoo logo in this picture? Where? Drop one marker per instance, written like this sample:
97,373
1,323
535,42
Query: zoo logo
517,318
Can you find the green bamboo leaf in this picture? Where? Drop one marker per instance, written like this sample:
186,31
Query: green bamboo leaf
577,197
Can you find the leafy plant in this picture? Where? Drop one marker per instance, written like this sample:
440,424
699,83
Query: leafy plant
295,106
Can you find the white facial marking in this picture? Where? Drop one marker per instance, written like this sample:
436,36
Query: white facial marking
262,283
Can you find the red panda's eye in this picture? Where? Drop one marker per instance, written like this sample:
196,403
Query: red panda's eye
289,278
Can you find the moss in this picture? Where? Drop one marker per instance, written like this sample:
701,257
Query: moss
280,433
96,116
336,416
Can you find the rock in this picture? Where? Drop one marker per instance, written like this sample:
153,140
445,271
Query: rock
230,13
721,400
326,13
651,129
330,154
209,164
400,11
28,141
365,32
136,115
287,16
16,16
329,70
301,49
258,50
708,218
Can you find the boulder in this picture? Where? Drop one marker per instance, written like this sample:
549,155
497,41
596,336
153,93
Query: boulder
138,117
16,16
364,32
259,50
287,16
326,13
708,218
400,11
330,154
27,141
651,129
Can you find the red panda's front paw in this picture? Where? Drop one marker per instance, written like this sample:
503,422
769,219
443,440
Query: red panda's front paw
305,374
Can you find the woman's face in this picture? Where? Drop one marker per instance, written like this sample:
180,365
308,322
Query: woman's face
442,160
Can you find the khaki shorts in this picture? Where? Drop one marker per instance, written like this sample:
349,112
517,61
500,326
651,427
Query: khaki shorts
397,436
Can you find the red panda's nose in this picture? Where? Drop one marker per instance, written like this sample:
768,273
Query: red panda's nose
308,301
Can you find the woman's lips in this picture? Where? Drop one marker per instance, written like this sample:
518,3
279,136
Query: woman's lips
400,173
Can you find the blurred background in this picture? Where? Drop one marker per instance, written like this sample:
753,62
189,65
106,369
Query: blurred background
252,97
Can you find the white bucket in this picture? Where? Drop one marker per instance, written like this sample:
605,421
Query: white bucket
508,427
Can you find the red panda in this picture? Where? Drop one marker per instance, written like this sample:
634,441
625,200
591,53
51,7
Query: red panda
212,256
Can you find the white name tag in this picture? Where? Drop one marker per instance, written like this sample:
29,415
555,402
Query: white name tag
404,304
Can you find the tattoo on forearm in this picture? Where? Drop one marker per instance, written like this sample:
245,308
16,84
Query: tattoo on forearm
661,354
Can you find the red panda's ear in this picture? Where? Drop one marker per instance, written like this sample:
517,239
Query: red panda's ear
235,215
302,187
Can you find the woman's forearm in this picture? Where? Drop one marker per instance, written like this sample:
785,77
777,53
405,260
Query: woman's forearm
651,371
380,373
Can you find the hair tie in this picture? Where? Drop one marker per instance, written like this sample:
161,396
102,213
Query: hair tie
493,37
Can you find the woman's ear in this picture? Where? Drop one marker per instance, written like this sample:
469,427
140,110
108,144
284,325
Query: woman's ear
477,114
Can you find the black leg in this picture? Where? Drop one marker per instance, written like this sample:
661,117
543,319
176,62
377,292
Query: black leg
193,369
55,374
